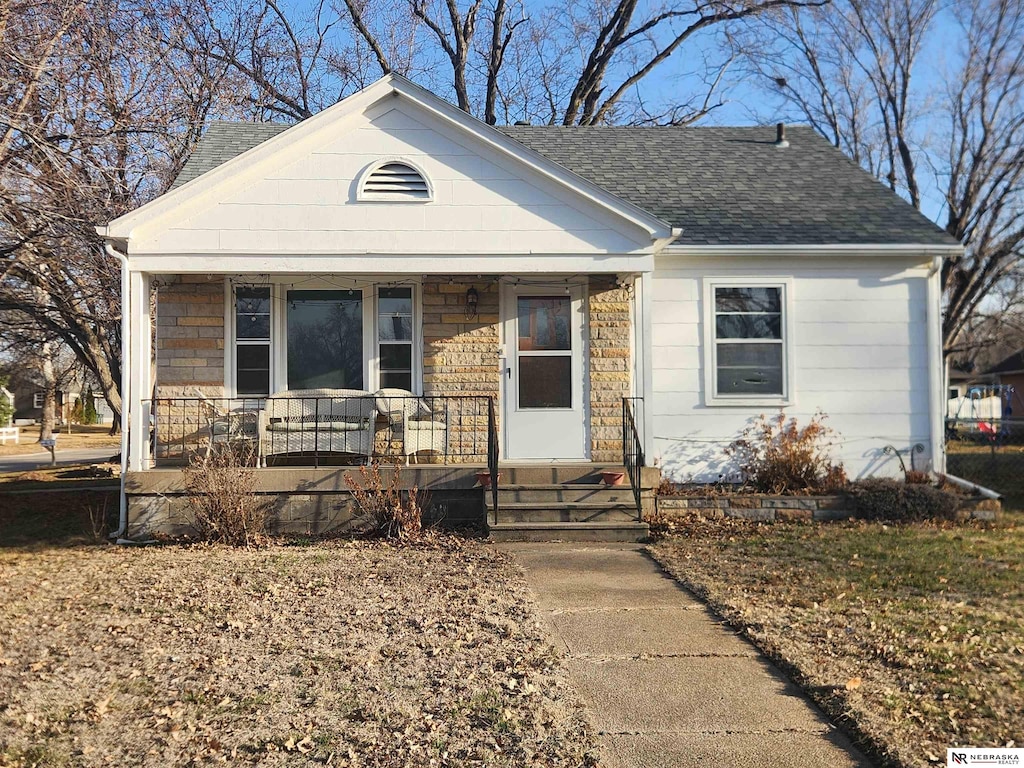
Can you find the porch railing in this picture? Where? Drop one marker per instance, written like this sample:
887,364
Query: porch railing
632,450
329,429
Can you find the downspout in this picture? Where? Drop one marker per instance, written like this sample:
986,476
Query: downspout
937,411
125,384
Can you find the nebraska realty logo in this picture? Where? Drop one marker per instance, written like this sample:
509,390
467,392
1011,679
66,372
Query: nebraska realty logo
1012,758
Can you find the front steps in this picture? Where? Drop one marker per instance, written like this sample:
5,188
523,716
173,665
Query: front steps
560,502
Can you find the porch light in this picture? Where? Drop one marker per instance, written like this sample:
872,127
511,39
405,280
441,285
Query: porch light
472,300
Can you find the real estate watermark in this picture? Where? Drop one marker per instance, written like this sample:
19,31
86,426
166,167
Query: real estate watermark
1005,756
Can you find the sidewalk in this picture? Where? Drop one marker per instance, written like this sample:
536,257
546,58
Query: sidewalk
666,684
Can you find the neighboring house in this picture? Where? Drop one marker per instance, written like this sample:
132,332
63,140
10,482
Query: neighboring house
708,274
29,396
960,382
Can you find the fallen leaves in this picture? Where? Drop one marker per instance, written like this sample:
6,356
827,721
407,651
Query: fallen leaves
924,624
340,653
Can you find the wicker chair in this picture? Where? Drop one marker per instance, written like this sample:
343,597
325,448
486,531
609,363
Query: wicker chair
410,416
230,427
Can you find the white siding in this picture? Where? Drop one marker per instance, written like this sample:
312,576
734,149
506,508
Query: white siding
483,203
860,354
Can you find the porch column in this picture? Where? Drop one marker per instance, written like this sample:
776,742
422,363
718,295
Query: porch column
644,357
141,385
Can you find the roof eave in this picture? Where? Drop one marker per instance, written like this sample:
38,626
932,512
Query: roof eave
817,249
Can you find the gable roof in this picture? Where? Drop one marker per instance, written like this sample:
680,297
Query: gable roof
234,162
722,186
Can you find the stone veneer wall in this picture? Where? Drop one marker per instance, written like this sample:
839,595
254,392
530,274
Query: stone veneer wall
609,327
190,335
460,357
189,356
788,508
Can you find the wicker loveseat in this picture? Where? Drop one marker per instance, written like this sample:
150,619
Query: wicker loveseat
318,421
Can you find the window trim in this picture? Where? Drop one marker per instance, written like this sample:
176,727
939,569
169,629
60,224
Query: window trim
710,356
415,343
279,287
363,196
38,400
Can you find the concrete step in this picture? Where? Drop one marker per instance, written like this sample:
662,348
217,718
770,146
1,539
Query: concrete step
562,512
554,474
601,532
568,493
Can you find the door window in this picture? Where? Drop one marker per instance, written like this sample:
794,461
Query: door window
544,348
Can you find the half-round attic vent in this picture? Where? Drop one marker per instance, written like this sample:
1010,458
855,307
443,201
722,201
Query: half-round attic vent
395,180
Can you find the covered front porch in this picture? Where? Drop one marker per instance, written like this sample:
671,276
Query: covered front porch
466,380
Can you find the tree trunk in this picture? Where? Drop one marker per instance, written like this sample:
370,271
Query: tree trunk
49,416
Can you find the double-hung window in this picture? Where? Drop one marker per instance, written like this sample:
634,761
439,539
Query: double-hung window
747,339
394,337
252,340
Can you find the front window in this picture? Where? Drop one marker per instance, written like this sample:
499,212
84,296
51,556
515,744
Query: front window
748,342
252,341
394,337
288,338
325,339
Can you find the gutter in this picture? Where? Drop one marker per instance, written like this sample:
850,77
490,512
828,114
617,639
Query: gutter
125,384
936,368
988,493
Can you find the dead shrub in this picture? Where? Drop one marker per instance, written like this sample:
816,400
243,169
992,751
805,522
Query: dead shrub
222,500
917,477
99,520
778,456
879,498
388,511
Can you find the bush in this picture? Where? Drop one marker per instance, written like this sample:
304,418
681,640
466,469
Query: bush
776,456
222,500
884,499
89,415
6,408
388,511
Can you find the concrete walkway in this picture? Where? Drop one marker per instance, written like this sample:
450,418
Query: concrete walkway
664,682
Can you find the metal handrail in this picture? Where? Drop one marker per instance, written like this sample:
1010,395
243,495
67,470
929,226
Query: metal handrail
492,453
632,452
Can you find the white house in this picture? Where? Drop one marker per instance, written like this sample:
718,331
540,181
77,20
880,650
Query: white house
559,300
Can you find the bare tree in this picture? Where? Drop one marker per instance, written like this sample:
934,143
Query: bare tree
984,167
574,63
953,141
97,114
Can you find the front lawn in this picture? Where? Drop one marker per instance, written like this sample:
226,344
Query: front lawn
337,653
914,634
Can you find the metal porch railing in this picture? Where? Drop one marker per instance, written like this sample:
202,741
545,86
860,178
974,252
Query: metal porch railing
633,450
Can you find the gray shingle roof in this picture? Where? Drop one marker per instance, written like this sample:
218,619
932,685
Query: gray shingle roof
723,186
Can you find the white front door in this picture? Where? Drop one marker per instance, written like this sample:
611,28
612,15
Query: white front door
544,411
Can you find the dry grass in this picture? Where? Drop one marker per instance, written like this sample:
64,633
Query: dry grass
331,653
82,436
914,635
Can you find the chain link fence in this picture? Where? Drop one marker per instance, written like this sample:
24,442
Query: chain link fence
989,452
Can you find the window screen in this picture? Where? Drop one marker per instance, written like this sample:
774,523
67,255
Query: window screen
749,344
